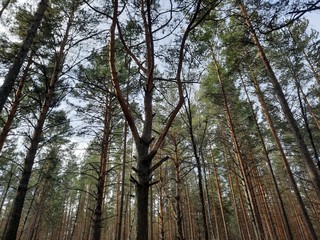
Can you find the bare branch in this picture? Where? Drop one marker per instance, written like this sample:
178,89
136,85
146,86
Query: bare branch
123,103
96,10
128,50
158,164
153,183
132,179
193,23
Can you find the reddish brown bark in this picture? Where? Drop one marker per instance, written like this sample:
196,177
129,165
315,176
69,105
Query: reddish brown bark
97,224
292,181
241,162
226,232
299,140
270,168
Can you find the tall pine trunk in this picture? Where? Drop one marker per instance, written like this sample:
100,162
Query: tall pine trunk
226,232
299,140
13,222
259,231
306,123
292,181
178,197
7,187
270,168
314,116
15,104
14,70
235,205
123,177
199,171
97,223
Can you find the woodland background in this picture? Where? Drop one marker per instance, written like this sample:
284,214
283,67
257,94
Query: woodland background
159,120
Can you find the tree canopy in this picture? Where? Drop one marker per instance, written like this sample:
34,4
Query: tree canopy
156,119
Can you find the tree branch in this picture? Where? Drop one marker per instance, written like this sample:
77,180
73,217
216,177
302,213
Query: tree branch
158,164
115,81
193,23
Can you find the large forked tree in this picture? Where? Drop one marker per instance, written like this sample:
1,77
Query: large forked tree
145,146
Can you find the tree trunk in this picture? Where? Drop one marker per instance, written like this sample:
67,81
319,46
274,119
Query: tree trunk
199,170
305,154
14,70
97,224
314,116
23,184
15,104
142,194
247,224
180,234
235,205
270,223
161,207
306,124
190,215
206,186
242,166
270,168
178,199
144,138
89,215
6,188
128,212
313,69
124,157
4,6
78,226
294,186
220,199
18,203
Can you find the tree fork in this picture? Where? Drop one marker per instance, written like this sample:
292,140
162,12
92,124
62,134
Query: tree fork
145,155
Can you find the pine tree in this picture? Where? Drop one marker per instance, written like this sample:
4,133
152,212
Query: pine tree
14,70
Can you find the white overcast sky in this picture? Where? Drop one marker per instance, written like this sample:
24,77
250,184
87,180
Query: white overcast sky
314,18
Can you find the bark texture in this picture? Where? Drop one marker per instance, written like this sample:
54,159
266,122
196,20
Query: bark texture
14,70
13,222
299,140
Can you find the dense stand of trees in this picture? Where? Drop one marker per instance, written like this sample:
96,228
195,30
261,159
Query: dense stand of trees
159,120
